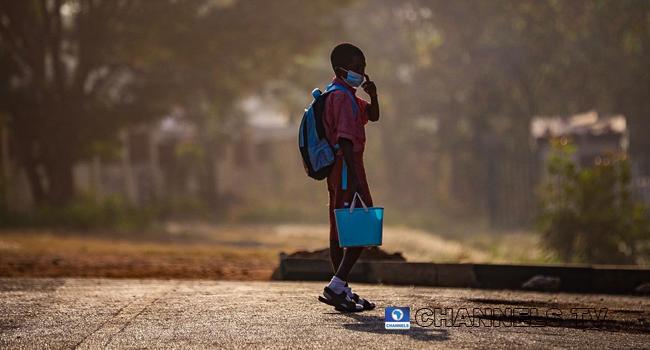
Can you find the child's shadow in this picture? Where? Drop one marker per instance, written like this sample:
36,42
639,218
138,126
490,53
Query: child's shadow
375,324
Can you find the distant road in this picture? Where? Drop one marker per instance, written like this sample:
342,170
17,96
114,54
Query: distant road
73,313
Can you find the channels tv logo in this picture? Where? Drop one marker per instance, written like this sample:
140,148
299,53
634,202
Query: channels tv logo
398,318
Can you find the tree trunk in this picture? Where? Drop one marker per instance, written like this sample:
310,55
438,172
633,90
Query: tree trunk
61,181
30,165
209,178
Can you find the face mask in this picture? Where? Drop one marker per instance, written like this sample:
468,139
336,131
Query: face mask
354,79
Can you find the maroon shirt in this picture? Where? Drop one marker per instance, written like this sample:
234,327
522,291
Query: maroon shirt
339,119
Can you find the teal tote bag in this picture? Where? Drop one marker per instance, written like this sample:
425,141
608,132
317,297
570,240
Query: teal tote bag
359,227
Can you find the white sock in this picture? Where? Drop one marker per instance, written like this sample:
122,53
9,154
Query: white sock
336,285
348,290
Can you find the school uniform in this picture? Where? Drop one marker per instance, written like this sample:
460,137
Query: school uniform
339,121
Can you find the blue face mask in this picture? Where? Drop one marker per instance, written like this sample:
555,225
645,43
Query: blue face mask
354,79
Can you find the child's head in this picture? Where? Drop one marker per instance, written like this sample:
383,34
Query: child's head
349,58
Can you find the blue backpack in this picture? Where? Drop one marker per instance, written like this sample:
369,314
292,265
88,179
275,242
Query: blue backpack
317,154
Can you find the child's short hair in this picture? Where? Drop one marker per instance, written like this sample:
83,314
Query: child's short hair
343,53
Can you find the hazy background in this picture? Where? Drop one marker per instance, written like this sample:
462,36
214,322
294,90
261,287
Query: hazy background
153,119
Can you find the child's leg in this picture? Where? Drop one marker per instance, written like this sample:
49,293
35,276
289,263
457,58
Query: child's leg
337,197
343,260
336,255
350,257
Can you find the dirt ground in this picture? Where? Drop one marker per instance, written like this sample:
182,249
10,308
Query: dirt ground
203,251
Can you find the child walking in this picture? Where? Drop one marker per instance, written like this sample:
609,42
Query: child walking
344,119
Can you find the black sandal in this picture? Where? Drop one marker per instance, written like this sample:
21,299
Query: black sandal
366,304
339,301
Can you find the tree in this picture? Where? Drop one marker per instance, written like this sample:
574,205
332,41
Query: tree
76,71
588,215
462,79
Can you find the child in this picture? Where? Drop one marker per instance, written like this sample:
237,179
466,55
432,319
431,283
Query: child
345,127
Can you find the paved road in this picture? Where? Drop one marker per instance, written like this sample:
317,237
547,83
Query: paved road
137,314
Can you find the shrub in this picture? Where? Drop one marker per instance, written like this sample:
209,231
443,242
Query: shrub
85,212
588,215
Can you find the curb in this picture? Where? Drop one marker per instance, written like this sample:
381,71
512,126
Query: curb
574,278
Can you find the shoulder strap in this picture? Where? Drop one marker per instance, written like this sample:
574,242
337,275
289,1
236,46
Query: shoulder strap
333,87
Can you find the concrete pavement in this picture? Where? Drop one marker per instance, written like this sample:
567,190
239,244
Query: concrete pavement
75,313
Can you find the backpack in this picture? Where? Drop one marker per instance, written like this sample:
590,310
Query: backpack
317,154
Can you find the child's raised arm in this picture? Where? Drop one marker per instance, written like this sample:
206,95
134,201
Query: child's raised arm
371,89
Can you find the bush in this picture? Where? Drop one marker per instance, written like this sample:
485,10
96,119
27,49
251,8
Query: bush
183,207
588,215
85,212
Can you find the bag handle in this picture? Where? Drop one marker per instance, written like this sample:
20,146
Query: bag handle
354,200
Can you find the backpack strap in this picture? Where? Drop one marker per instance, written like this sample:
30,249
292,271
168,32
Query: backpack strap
344,175
334,87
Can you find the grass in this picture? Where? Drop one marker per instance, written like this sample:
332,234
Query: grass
236,252
521,247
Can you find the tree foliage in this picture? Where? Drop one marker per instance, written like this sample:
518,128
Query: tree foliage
76,71
461,81
589,215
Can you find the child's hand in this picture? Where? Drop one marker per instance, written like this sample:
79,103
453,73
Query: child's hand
354,186
369,87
